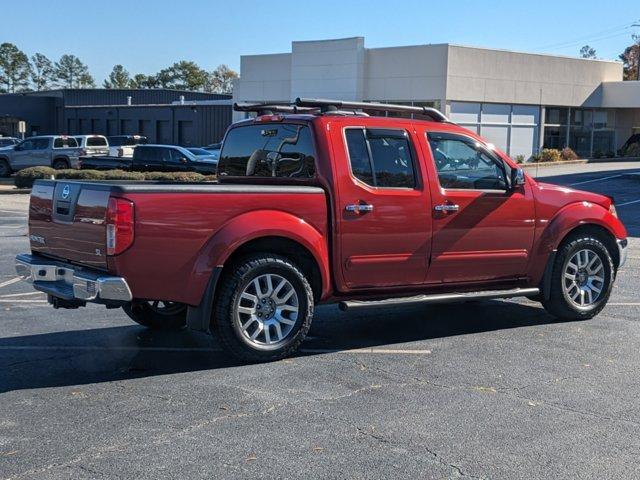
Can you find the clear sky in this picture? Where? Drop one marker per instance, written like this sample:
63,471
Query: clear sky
146,36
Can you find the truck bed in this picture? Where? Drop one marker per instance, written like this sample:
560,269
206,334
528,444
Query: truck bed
179,228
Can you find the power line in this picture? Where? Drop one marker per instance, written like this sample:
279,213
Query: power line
591,36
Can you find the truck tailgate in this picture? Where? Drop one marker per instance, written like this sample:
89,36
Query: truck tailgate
67,221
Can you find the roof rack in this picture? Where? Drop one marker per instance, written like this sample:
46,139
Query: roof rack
327,106
272,108
324,106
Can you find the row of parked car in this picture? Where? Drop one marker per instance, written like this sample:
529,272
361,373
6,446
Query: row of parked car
126,152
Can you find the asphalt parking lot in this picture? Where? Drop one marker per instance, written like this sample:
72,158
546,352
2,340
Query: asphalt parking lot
492,389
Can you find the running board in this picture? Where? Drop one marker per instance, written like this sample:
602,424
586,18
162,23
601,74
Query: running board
440,298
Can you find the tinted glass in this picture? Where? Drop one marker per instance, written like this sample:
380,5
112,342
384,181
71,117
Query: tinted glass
27,145
269,150
65,142
199,151
115,141
40,143
389,153
96,142
359,155
464,164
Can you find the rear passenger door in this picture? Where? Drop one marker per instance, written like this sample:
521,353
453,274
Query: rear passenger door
383,221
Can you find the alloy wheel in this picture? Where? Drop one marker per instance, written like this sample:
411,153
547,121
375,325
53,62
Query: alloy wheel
584,278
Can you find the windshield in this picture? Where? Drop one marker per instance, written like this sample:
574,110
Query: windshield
268,150
199,151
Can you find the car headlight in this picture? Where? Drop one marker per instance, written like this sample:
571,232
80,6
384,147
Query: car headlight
612,210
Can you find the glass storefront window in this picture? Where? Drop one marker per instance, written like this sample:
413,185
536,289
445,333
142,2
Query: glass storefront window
603,143
555,137
557,116
580,141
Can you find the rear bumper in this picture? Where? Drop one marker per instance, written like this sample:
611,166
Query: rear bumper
72,283
623,248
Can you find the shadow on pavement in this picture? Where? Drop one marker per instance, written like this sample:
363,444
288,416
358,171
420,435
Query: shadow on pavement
120,353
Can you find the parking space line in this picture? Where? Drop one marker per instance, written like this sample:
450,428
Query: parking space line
381,351
11,295
2,300
623,304
594,180
627,203
10,282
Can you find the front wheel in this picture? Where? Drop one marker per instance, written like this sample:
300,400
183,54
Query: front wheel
582,279
158,315
264,309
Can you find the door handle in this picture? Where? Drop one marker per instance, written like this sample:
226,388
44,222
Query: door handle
447,207
359,208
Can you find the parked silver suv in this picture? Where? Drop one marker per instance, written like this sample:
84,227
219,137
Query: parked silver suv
57,151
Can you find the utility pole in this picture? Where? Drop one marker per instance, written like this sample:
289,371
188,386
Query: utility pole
637,56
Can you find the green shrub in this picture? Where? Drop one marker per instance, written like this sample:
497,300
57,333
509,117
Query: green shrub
25,178
568,154
123,175
547,155
70,174
181,177
519,159
632,150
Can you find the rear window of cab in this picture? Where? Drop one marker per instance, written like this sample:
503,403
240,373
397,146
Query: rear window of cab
282,150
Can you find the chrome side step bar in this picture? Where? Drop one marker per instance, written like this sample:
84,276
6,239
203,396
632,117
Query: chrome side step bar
440,298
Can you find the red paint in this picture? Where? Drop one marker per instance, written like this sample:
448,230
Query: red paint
402,246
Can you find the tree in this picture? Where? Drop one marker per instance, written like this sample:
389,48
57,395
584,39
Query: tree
118,78
14,68
587,52
72,73
631,59
42,72
183,75
140,80
221,80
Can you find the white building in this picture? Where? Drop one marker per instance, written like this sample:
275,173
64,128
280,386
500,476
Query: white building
519,101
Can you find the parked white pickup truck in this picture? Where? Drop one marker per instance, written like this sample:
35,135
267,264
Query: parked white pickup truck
92,145
123,145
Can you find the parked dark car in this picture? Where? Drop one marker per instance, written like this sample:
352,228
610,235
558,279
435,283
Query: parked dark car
632,145
154,158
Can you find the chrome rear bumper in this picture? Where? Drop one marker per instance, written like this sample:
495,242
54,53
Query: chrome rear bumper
71,283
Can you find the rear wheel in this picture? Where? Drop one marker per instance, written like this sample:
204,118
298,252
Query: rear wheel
264,309
582,279
60,164
5,169
158,314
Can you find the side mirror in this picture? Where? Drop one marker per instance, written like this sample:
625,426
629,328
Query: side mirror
183,160
517,177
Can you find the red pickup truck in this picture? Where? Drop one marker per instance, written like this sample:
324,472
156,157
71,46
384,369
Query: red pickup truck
319,202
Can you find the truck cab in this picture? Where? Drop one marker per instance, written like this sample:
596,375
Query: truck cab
320,202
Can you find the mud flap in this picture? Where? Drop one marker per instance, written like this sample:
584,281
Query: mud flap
199,318
548,273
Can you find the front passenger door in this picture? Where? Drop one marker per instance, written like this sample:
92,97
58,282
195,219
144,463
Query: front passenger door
482,228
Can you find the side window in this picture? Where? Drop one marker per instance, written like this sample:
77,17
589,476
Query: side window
463,163
41,144
65,142
27,145
381,158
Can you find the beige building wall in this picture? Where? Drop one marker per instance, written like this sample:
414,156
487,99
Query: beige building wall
500,76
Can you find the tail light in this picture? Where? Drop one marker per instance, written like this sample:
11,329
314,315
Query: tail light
120,218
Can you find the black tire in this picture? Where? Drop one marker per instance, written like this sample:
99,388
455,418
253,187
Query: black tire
226,321
158,315
5,169
60,164
559,303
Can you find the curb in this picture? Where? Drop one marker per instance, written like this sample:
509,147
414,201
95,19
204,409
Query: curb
553,164
14,191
